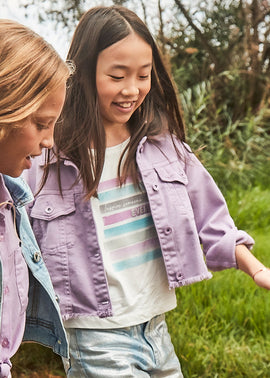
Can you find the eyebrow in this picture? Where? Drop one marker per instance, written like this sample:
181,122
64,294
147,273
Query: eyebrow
43,118
122,66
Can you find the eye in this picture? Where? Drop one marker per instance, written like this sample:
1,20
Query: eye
116,77
41,126
144,77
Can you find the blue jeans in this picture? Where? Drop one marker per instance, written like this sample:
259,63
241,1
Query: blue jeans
144,350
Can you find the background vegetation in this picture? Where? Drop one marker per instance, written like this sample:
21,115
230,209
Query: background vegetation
218,53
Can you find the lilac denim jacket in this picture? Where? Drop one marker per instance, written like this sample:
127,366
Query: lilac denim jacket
189,212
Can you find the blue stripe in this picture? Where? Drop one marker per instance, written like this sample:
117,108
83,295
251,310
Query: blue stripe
129,227
116,193
138,260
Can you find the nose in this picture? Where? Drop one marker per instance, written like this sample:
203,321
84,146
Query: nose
131,90
47,141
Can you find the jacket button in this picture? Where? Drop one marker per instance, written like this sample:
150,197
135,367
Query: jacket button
48,210
36,257
155,187
179,276
5,343
168,231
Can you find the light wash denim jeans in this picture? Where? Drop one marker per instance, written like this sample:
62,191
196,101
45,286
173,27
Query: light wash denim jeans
144,350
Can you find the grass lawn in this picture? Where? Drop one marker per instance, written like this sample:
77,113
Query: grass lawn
220,328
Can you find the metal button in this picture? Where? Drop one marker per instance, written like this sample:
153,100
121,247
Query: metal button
36,257
179,276
155,187
168,231
48,210
5,342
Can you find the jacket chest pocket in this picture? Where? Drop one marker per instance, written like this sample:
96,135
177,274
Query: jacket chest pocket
173,181
52,220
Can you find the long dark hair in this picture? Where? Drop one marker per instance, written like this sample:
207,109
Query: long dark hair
82,126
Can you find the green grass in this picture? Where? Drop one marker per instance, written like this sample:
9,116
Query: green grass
221,326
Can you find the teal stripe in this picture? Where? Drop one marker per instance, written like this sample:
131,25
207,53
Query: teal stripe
129,227
138,260
113,194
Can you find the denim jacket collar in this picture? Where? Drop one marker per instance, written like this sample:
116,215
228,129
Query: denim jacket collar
19,190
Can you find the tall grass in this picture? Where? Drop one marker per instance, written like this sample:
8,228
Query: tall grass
235,151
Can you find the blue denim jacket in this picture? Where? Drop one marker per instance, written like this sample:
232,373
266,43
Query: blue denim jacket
43,320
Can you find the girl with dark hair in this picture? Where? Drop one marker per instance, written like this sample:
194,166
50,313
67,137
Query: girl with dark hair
126,205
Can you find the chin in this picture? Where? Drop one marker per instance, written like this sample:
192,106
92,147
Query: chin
14,174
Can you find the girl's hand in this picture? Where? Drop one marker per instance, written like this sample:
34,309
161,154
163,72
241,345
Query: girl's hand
249,264
262,278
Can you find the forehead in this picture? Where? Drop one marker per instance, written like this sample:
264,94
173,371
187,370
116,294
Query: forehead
53,102
130,50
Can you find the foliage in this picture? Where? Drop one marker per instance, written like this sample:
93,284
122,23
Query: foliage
224,37
234,151
36,361
65,12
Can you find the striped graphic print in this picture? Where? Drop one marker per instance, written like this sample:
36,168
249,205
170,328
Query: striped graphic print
129,232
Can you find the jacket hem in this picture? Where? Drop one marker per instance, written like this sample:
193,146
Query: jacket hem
99,314
190,281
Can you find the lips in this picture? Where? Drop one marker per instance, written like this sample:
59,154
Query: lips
125,105
30,157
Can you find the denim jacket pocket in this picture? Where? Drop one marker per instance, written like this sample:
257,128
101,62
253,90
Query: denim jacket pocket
172,172
174,181
51,217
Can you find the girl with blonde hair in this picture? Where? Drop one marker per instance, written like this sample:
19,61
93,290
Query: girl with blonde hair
32,92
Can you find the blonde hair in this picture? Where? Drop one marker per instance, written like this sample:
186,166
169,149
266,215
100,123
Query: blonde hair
30,69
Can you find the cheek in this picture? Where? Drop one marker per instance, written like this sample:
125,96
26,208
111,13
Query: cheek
144,91
146,88
105,94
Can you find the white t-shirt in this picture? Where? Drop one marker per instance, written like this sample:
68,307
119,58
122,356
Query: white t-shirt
132,257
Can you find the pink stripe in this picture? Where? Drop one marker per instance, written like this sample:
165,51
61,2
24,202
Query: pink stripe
128,214
135,249
109,184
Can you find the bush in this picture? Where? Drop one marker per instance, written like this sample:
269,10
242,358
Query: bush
235,152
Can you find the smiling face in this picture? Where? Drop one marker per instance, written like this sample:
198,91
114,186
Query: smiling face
123,79
33,134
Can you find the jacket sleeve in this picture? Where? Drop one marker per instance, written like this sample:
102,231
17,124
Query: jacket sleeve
216,229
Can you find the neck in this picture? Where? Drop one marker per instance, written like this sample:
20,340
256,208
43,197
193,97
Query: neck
116,135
